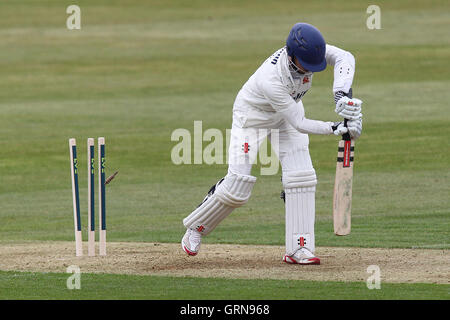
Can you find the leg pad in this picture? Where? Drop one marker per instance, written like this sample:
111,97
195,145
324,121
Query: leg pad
231,192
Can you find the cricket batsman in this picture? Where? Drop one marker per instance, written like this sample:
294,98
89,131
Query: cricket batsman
272,99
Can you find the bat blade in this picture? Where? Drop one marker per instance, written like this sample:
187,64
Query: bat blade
342,198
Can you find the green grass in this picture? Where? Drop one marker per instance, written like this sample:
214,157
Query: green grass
30,286
134,73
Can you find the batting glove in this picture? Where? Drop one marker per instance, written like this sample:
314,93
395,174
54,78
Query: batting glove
339,128
349,108
354,128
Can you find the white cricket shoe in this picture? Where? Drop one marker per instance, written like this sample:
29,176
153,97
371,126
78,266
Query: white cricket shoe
301,256
191,242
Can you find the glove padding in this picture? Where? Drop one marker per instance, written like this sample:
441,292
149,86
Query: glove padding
354,128
349,108
339,128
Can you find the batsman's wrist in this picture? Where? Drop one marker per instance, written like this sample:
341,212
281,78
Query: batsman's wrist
334,125
339,94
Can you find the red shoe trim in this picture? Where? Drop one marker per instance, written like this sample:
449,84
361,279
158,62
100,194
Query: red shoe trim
313,261
290,260
189,252
310,261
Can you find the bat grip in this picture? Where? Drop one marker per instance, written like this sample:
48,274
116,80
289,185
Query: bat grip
346,136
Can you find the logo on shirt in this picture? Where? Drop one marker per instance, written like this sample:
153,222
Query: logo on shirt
305,80
276,57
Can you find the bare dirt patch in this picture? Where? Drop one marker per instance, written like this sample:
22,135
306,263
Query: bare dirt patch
231,261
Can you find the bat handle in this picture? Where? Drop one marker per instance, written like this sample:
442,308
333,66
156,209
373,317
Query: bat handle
346,136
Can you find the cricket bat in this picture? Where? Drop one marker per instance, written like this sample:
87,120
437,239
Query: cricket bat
342,197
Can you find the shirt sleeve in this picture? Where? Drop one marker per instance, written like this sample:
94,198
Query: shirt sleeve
344,67
293,112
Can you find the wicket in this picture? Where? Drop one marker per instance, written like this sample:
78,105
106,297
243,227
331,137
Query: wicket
91,201
102,201
91,196
75,196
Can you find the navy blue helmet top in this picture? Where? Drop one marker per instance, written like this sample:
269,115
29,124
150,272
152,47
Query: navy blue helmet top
306,43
